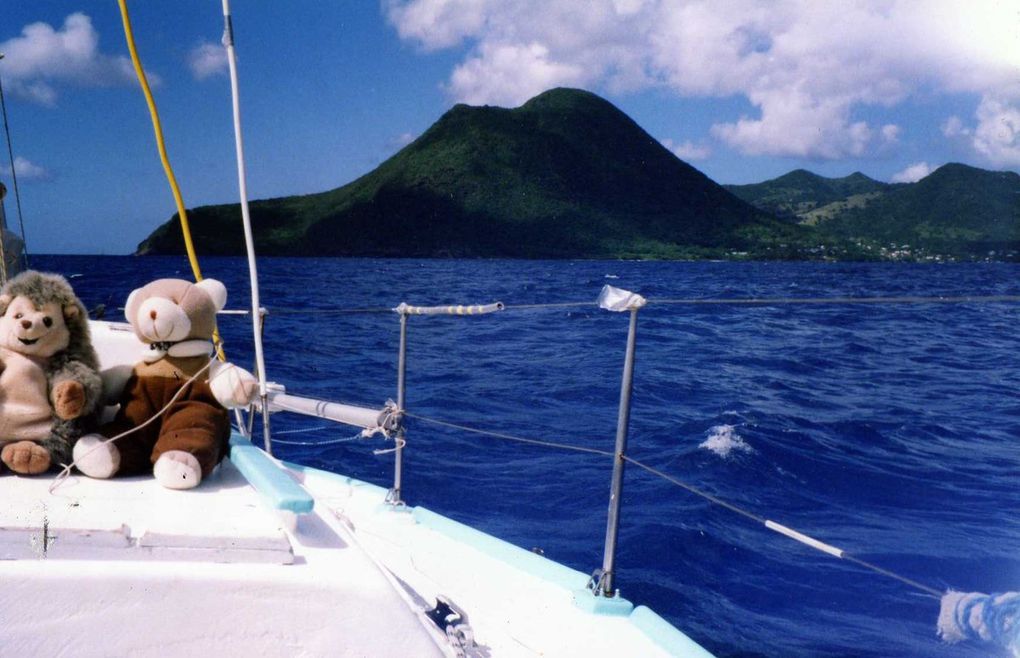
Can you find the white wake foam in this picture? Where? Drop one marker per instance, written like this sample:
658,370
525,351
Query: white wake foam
723,439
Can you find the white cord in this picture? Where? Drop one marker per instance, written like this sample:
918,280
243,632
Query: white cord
66,471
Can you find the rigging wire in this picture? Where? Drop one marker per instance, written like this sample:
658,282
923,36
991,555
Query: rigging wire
327,442
305,430
3,246
14,178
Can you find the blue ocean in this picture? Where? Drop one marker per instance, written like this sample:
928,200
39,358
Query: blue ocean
890,431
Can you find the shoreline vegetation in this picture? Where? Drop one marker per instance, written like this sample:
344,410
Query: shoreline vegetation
569,176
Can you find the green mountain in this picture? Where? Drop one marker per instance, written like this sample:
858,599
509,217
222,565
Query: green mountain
957,210
565,175
805,197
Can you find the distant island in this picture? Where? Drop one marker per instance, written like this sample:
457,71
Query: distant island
955,213
568,175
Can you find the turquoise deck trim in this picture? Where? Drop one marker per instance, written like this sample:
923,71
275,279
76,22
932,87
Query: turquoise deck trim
600,605
506,552
372,489
651,625
654,627
664,634
279,490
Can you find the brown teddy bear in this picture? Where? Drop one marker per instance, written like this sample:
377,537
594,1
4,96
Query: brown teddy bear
175,319
49,384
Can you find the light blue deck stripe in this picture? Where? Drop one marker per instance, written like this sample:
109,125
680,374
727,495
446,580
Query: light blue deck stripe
342,479
516,556
650,624
664,634
279,490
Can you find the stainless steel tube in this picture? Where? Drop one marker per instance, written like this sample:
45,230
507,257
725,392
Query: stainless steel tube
398,456
616,487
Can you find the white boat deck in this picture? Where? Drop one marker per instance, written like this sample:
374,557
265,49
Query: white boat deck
518,603
142,570
125,567
136,519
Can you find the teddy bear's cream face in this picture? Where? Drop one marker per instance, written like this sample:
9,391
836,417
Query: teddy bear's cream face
173,310
34,331
161,319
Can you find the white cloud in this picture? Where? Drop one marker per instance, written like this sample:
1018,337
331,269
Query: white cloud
913,173
806,67
687,150
997,135
438,23
628,7
798,125
42,57
400,141
953,127
26,170
206,60
509,74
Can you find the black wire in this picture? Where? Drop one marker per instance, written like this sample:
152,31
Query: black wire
14,174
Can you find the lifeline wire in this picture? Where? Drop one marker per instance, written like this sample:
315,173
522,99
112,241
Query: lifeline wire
793,301
551,305
771,525
330,311
509,437
788,532
783,301
740,301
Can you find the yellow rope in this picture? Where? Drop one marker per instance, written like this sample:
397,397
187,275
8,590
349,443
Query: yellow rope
161,145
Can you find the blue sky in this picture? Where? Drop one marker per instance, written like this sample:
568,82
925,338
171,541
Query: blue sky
743,90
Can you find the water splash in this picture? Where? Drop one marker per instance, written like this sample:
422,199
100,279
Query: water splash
723,439
974,616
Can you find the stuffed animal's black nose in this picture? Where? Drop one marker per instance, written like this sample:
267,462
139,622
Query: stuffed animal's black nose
27,324
152,314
